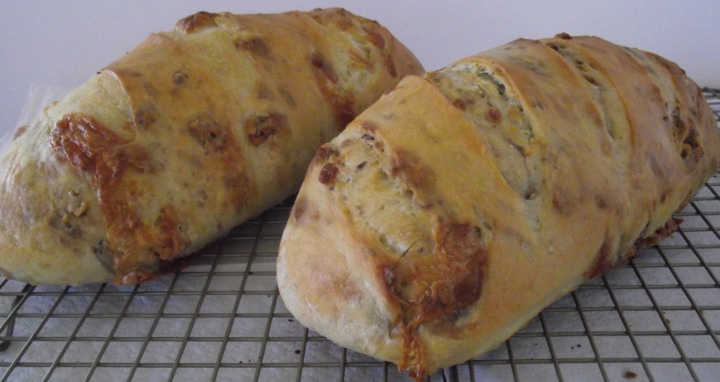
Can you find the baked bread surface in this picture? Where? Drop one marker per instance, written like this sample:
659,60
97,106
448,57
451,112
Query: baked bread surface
186,136
462,203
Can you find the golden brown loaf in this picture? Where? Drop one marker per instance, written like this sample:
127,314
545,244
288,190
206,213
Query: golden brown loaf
183,138
453,210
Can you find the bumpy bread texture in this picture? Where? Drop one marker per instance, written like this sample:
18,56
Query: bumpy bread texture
186,136
453,210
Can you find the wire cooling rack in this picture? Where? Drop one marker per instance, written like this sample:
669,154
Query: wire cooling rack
656,319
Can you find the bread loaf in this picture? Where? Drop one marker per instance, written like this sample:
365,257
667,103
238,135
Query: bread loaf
462,203
188,135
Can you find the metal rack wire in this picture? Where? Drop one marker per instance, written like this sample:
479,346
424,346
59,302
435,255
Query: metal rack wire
656,319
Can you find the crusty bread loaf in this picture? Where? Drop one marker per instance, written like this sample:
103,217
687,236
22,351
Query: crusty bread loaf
183,138
453,210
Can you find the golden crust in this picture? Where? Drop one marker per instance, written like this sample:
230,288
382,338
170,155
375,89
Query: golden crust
186,136
563,155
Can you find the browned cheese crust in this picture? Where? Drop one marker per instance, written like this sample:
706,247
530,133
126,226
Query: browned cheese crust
188,135
453,210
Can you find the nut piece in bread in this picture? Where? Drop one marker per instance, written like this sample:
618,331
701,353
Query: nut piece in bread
453,210
185,137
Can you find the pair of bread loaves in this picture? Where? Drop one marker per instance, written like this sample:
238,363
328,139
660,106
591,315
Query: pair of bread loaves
445,216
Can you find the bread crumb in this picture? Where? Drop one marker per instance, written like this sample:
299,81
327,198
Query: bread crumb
630,375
